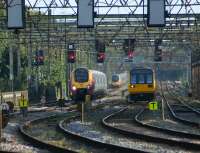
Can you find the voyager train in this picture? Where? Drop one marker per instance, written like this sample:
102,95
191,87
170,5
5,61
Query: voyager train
142,84
87,82
118,80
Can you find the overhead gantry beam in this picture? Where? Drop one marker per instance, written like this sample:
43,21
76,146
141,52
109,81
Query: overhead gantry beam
182,23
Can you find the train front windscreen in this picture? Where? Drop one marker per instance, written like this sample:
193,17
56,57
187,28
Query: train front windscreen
141,77
81,75
115,78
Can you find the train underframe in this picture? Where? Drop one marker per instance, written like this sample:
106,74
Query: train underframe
80,94
133,97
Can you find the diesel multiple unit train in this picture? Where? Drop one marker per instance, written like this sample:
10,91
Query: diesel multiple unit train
141,83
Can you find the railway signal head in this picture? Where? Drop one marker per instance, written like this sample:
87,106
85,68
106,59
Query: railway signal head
71,56
100,48
100,57
158,50
39,57
71,53
130,54
129,46
158,55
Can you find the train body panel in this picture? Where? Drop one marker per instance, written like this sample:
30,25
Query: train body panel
87,82
100,81
141,88
142,84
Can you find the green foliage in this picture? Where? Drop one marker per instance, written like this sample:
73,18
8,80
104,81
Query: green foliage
19,83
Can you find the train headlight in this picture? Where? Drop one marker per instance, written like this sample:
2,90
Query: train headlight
132,86
73,88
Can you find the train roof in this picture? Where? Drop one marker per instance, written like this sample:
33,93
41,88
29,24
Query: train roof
143,69
97,72
94,71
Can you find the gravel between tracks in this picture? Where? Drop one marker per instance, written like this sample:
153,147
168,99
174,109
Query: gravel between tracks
14,142
125,121
92,129
156,120
46,131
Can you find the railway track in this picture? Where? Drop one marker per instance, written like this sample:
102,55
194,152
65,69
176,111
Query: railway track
56,148
51,124
121,122
185,100
39,142
111,147
182,111
174,122
132,131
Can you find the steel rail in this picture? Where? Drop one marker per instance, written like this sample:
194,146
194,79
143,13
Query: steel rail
110,146
180,119
150,138
182,102
40,143
166,130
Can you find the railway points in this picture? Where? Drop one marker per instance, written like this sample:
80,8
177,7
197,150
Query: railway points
135,127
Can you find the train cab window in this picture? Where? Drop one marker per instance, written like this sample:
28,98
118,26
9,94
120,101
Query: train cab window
115,78
149,78
133,79
81,75
141,78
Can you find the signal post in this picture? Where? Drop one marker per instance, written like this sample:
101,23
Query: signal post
1,116
1,123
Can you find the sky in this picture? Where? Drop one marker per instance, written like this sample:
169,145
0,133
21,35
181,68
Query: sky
114,10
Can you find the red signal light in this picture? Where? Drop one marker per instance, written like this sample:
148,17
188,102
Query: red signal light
130,54
100,57
71,56
41,58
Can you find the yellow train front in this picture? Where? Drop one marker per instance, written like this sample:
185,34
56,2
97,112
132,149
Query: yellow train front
142,84
87,82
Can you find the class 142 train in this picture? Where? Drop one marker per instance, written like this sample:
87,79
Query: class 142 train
141,85
87,82
118,80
